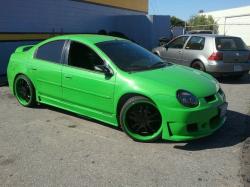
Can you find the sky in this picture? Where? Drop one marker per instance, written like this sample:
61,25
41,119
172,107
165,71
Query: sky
185,8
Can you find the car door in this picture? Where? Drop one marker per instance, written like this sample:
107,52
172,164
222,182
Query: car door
84,84
47,70
193,50
174,50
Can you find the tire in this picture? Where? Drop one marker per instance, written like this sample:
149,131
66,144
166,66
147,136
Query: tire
24,91
141,120
198,65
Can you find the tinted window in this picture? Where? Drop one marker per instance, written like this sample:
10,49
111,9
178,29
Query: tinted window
230,44
51,51
82,56
129,56
196,43
178,43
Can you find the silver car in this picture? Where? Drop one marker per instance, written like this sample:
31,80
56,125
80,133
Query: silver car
215,54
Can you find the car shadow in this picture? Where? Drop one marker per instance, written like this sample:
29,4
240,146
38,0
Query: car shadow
235,130
231,80
55,109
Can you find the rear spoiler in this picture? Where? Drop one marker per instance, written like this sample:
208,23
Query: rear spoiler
23,48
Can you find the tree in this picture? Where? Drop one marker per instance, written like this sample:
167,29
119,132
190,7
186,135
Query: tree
175,22
202,22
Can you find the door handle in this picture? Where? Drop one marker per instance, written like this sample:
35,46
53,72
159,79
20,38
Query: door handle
68,76
33,69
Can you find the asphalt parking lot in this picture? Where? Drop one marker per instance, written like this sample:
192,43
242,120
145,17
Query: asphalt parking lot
50,147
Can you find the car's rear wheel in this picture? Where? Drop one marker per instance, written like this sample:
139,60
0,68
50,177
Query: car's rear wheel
198,65
141,120
24,91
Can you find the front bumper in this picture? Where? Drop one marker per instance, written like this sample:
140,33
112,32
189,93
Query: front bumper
193,125
180,124
220,67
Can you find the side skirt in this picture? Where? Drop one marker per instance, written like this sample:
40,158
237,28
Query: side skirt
82,111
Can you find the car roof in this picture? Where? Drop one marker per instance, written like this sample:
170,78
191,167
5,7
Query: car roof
209,35
89,38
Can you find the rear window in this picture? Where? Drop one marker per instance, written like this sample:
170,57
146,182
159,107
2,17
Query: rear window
51,51
230,44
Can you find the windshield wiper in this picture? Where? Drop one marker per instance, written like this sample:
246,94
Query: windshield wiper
142,68
136,68
158,64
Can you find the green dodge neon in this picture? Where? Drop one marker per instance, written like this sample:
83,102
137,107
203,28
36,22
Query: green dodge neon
120,83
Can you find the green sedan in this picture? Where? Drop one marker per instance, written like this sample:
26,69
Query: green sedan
120,83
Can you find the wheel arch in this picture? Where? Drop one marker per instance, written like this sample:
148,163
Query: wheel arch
122,100
201,58
198,60
195,60
18,74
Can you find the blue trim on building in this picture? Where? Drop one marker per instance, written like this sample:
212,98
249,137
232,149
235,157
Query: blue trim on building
66,16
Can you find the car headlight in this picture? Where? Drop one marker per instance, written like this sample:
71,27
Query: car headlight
187,99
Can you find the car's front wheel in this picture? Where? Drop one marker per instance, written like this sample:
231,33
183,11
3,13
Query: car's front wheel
141,120
24,91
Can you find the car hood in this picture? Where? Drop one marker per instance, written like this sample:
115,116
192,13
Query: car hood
174,77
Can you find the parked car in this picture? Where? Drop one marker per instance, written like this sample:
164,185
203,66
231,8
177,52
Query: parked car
215,54
118,82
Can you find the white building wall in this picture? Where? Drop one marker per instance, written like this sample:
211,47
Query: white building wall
233,22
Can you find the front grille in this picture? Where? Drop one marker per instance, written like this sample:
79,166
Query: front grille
210,98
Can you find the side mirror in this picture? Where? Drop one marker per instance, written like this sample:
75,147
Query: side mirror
105,69
166,46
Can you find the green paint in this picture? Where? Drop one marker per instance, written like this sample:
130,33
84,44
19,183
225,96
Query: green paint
95,95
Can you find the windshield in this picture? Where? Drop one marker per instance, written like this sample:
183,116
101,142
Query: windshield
230,44
129,56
